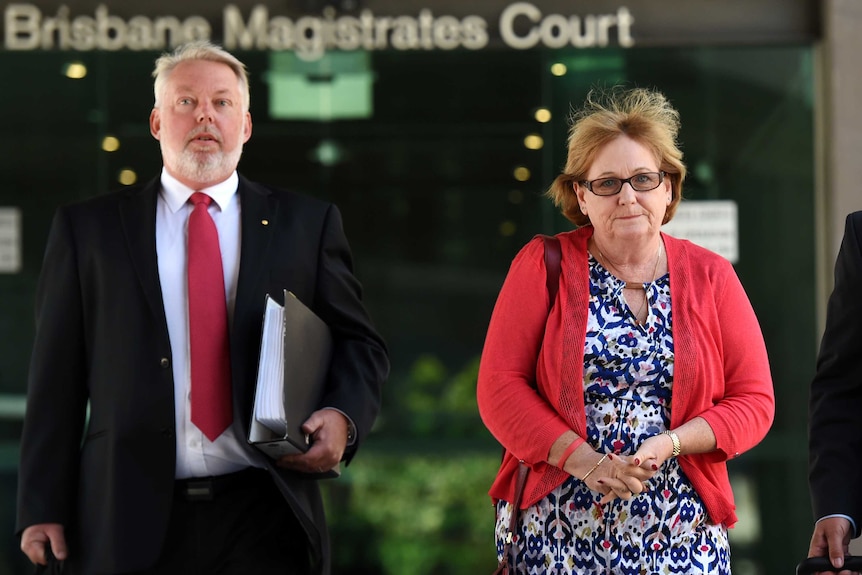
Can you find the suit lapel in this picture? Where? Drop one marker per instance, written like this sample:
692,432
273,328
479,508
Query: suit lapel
138,217
258,214
258,209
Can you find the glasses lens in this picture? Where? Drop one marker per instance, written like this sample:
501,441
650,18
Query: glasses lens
646,182
606,186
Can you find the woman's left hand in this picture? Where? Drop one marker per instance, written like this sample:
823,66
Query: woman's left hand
623,480
641,466
653,452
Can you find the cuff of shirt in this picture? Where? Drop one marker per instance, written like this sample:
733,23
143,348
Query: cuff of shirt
847,517
351,427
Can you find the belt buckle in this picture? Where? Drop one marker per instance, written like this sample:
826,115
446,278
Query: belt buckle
199,490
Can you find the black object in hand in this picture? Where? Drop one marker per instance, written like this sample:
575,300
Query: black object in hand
818,564
53,567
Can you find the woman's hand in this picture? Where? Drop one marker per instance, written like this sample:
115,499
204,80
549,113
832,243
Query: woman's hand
653,452
631,472
617,477
625,476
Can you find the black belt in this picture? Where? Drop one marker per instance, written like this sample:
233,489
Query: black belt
208,488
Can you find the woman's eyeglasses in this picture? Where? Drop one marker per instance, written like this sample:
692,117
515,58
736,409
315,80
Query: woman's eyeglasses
643,182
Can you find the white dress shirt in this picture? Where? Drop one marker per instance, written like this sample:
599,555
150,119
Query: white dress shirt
197,456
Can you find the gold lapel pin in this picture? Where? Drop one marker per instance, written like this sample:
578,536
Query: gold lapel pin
265,222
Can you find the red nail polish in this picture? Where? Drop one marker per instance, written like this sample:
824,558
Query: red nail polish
610,457
654,467
637,462
600,482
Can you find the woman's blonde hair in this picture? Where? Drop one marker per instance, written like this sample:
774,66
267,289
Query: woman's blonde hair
643,115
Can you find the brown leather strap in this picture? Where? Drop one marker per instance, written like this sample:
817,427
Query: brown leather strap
523,470
553,265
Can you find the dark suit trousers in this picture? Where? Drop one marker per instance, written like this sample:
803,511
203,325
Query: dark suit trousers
246,527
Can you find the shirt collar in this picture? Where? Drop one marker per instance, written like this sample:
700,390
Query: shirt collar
176,194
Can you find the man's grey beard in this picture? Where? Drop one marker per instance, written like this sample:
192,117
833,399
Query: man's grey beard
204,167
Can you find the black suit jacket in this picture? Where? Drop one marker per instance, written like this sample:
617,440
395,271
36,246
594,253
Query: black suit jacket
835,410
102,338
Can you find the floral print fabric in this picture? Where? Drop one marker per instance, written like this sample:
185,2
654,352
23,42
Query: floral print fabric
628,377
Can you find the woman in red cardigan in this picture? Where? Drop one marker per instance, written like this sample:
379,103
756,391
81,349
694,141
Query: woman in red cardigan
646,376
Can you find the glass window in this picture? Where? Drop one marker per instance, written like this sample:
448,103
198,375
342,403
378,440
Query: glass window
439,169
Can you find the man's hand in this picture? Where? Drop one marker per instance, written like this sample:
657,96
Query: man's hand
36,537
831,539
328,431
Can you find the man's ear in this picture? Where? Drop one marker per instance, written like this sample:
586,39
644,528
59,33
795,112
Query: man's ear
246,128
155,123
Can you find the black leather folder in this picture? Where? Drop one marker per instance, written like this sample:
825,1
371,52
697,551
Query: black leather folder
295,351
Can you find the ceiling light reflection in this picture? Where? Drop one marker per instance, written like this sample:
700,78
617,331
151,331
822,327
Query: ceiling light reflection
534,142
542,115
127,177
521,173
110,144
75,70
558,69
508,228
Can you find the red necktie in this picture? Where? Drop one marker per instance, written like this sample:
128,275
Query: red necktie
208,333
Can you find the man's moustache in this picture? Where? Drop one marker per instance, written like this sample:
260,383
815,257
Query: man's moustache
212,132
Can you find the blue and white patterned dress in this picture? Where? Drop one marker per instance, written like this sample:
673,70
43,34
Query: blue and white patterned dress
627,385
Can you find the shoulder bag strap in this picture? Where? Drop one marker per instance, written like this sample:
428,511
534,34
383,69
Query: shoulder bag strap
553,265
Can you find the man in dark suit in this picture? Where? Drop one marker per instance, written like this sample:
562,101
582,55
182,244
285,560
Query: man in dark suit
154,480
834,428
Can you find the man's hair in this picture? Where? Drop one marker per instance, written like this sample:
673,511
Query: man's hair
643,115
201,50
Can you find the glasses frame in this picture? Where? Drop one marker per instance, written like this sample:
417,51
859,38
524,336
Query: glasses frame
623,181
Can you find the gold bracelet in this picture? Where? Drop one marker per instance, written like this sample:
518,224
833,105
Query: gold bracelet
677,448
596,466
